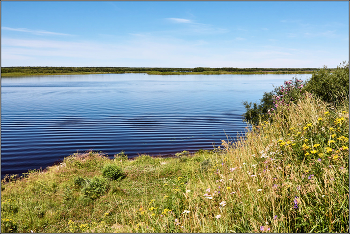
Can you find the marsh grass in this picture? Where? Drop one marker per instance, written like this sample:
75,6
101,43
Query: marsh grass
287,175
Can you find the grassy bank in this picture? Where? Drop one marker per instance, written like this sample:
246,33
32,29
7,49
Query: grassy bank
41,71
290,174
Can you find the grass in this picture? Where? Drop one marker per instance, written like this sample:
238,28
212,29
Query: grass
287,175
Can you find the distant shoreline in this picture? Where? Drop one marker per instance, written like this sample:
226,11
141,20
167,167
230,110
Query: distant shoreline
46,71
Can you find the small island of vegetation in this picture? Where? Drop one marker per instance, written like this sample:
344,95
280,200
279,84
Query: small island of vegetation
289,173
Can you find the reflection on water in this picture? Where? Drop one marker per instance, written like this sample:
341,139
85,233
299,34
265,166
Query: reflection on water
44,119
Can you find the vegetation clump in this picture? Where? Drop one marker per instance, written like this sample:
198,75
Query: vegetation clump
113,172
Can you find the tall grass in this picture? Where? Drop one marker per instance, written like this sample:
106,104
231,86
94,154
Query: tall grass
287,175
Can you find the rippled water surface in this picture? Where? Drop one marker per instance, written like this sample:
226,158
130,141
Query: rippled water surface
44,119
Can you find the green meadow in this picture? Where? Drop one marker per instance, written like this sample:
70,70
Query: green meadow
289,172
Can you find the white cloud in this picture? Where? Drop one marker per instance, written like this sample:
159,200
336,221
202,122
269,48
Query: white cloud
36,32
240,38
179,20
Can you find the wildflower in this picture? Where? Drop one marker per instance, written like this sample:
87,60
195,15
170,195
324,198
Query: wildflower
177,222
328,149
165,196
345,148
233,193
218,216
332,129
319,159
208,190
331,141
316,145
335,156
209,197
274,186
313,151
275,217
259,190
296,202
310,177
334,135
186,212
306,154
187,191
223,203
228,188
319,119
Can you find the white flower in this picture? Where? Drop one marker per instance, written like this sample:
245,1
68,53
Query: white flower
218,216
223,203
187,191
233,192
244,163
233,168
209,197
254,165
253,175
259,190
186,212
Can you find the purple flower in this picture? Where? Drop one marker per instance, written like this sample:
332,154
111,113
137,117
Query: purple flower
310,176
296,203
262,228
275,217
319,160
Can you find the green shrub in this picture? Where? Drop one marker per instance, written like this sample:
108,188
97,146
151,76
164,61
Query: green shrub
112,172
291,91
330,86
95,187
79,182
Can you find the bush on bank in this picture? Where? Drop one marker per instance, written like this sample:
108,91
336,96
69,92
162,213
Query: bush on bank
331,86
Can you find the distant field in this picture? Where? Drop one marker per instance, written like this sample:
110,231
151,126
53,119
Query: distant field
31,71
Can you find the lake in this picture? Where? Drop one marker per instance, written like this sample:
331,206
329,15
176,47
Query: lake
47,118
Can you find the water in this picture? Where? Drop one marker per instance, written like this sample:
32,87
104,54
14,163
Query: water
44,119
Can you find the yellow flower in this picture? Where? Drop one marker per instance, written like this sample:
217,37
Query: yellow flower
288,142
282,143
306,140
328,149
335,156
313,151
333,135
331,141
306,154
319,119
332,129
165,197
345,148
316,145
292,128
326,113
320,154
298,133
228,188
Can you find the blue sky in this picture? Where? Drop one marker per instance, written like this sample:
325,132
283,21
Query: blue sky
175,34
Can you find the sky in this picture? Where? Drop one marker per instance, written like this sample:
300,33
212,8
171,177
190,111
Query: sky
265,34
